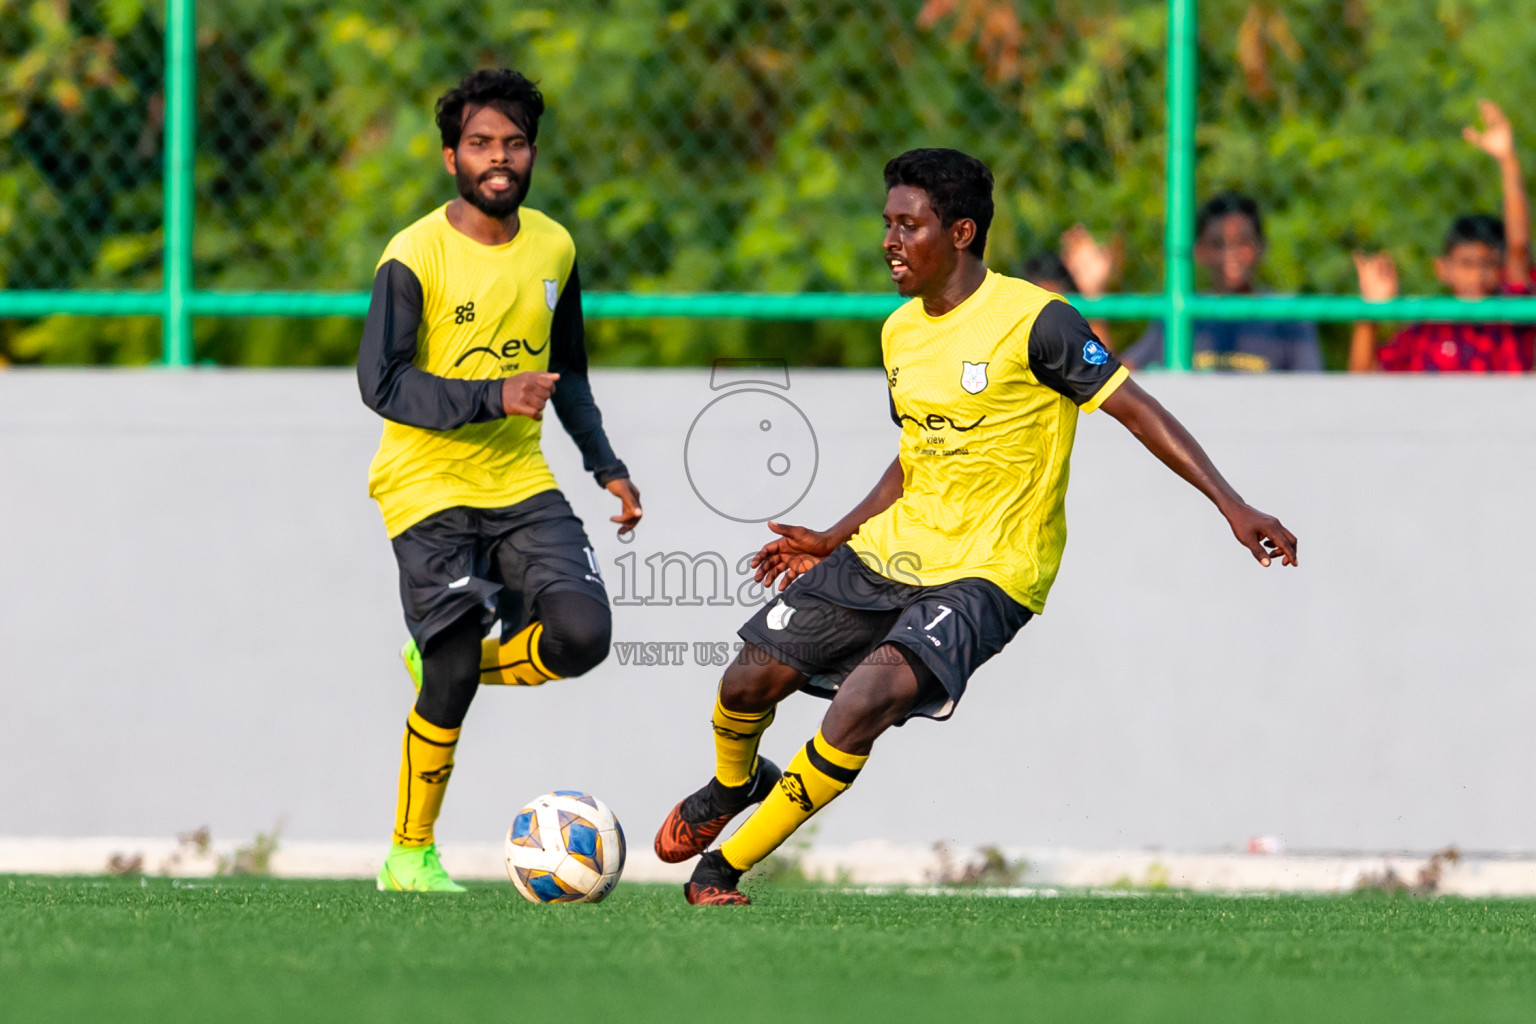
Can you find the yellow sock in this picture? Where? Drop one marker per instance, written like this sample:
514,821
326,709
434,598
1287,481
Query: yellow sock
516,662
426,761
816,775
736,737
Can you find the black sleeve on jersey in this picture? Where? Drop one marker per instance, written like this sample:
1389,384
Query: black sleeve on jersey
390,381
1057,353
572,399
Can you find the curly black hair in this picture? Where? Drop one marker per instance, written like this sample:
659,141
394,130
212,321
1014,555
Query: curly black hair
506,90
959,186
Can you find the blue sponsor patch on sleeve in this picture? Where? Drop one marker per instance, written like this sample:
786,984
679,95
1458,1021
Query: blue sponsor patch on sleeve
1095,353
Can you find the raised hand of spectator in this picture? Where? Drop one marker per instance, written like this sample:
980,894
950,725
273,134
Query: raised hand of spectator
1378,283
1091,266
1090,263
1497,137
1378,276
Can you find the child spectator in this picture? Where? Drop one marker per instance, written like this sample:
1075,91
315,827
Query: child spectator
1483,256
1046,270
1229,243
1084,268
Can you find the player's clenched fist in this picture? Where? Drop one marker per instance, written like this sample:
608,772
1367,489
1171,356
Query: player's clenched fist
527,393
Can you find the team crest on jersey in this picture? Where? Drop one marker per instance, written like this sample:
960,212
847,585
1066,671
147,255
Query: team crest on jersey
551,293
1094,353
973,377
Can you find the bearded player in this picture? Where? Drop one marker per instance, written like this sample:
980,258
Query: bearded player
955,549
474,327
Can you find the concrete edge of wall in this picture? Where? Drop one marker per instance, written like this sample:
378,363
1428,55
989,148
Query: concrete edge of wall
869,864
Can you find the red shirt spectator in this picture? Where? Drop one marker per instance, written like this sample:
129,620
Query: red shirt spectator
1462,348
1483,256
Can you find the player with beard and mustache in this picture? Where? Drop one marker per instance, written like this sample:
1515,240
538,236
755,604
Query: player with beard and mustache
474,326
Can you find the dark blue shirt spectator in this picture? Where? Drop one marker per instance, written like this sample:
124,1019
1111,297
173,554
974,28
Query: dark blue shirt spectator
1245,346
1229,244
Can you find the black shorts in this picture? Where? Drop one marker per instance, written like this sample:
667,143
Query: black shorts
836,615
498,560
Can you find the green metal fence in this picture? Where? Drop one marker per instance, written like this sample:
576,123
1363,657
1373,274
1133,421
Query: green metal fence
933,61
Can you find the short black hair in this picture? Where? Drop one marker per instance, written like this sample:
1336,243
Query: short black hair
1219,206
1047,266
506,90
1476,227
959,186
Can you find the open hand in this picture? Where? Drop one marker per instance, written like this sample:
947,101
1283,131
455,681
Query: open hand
1497,138
794,552
1090,262
630,512
1378,276
527,393
1262,534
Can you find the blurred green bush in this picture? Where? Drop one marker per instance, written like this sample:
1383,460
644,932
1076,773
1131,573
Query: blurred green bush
713,145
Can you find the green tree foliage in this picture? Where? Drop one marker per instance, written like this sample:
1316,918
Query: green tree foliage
697,145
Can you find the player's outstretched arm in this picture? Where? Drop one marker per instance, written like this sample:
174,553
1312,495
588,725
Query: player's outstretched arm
1166,438
797,549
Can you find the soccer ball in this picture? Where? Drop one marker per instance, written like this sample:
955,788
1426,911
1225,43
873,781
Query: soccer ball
565,847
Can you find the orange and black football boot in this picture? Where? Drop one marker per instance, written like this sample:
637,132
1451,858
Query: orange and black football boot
700,818
714,883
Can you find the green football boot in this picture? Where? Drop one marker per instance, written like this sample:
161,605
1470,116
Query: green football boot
415,869
412,658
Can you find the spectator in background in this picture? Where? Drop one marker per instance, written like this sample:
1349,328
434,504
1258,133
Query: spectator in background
1483,256
1229,243
1084,268
1046,270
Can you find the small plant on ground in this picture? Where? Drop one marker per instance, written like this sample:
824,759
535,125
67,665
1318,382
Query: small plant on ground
989,867
786,865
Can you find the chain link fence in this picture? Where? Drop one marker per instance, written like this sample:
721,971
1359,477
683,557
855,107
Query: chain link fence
707,145
81,114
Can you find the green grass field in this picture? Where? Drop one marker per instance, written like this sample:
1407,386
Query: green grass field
254,950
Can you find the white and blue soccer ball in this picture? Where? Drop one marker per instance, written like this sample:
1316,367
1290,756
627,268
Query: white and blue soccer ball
565,847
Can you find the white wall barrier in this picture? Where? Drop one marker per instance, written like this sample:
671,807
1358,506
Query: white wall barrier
199,619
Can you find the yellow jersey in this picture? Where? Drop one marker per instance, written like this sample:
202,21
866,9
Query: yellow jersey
987,397
448,320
